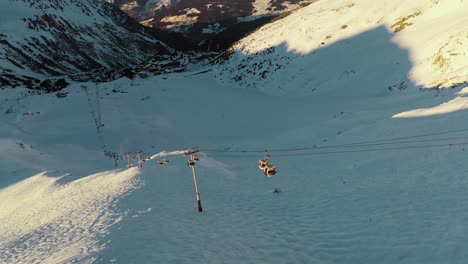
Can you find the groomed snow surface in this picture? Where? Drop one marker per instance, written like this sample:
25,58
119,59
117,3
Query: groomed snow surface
45,221
404,206
401,203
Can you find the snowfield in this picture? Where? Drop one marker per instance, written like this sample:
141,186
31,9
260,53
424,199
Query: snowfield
382,206
42,219
432,33
371,164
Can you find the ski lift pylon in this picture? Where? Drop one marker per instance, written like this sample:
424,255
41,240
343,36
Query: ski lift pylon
191,151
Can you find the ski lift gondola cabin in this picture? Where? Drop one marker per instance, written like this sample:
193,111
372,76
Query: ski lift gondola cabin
269,170
262,164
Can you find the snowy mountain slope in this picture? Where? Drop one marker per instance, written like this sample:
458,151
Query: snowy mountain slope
399,200
175,13
143,9
335,41
42,38
395,204
208,25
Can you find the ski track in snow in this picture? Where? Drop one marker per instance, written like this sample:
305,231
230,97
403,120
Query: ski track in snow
43,221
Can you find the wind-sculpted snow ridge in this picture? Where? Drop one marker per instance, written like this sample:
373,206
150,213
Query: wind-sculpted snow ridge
44,37
44,221
333,43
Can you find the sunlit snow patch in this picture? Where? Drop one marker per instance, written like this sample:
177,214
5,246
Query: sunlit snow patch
457,104
43,221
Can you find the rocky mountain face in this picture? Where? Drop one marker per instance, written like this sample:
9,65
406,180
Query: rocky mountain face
209,25
40,38
175,13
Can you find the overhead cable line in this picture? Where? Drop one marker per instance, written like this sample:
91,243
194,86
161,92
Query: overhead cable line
346,151
356,144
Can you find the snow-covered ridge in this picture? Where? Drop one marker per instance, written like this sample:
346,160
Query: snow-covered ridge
332,43
46,37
